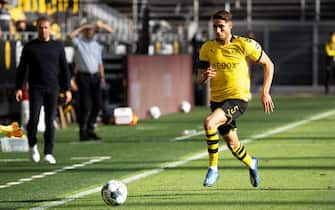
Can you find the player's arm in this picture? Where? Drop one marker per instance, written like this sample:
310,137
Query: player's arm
268,76
201,76
205,71
102,25
78,30
102,76
65,75
204,74
20,75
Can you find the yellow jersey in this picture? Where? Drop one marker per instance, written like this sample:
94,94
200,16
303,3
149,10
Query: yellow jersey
232,80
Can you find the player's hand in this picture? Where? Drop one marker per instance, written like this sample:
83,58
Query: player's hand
68,96
74,86
209,73
18,95
99,24
268,104
102,83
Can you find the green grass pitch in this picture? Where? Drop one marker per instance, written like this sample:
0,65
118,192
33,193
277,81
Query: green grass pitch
296,154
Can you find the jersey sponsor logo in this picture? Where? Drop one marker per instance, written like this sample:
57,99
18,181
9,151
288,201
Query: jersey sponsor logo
225,66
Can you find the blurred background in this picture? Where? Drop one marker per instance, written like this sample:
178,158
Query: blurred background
150,57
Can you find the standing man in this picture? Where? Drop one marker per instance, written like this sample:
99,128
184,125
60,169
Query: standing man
90,77
223,63
330,61
44,61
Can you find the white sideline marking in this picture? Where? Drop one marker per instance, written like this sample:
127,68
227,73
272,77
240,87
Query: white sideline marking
15,160
87,158
179,138
50,173
182,162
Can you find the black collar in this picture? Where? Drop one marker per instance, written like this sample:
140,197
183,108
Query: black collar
232,38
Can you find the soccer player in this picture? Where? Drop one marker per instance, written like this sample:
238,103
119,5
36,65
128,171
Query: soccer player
223,63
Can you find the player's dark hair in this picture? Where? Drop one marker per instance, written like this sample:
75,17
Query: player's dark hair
223,15
42,19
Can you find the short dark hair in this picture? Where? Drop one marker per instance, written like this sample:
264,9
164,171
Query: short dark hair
42,19
223,15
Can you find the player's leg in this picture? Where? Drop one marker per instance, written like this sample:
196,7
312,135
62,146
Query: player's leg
234,109
96,97
240,152
83,82
216,118
35,104
50,107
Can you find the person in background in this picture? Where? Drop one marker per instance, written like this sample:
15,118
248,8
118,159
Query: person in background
90,77
5,17
22,39
43,60
6,21
223,63
330,60
21,25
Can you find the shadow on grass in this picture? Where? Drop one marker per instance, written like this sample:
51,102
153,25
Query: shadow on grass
17,204
173,198
231,203
300,138
209,192
135,167
32,201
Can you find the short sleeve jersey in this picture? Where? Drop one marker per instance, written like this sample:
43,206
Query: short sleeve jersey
330,53
232,80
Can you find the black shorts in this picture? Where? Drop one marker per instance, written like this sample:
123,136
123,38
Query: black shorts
233,108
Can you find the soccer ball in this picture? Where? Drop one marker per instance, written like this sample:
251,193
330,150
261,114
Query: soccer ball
155,112
185,106
114,193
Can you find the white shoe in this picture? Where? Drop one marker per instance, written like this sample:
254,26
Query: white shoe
34,154
50,159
